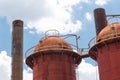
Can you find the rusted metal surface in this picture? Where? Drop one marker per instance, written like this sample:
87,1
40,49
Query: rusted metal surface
106,51
59,43
110,32
54,67
93,48
100,19
52,42
17,50
53,59
85,55
108,58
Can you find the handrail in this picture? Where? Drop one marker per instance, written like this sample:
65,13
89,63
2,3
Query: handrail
95,40
56,47
52,32
53,47
92,42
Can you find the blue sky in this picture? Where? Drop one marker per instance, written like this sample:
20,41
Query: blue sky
67,16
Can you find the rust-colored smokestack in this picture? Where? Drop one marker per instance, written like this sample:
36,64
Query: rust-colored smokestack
17,50
100,19
53,59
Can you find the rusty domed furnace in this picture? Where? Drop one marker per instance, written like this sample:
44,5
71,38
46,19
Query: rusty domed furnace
109,32
106,47
53,58
52,43
106,52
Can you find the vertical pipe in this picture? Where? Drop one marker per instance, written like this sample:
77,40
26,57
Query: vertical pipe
17,50
100,19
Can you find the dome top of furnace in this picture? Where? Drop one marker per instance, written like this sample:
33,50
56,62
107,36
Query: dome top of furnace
109,32
52,43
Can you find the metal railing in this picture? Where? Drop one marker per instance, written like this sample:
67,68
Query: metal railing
48,47
52,32
83,50
62,46
92,42
99,39
32,50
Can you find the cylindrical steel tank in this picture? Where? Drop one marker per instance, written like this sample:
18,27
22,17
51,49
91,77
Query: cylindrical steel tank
53,59
17,50
106,52
100,19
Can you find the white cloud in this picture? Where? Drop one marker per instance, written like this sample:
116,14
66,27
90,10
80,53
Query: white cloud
31,32
27,75
101,2
42,15
67,4
86,71
5,68
88,16
85,1
5,63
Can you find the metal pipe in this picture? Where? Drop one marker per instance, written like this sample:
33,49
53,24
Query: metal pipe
85,55
112,15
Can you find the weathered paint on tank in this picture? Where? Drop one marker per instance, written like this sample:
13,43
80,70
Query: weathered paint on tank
108,58
106,52
53,59
54,67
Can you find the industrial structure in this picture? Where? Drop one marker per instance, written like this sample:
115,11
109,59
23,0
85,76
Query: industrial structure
53,58
106,50
17,50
